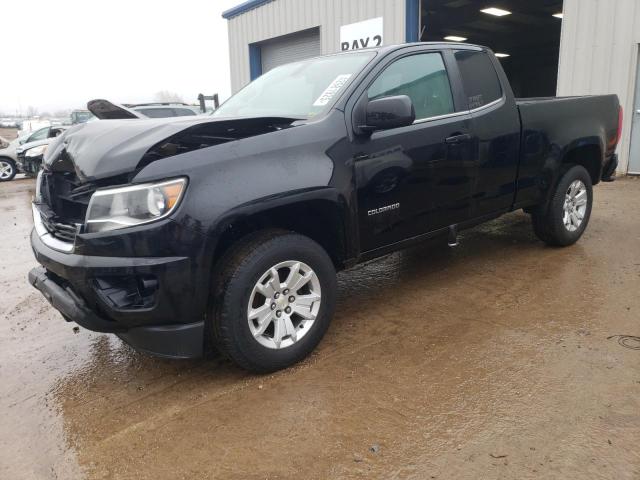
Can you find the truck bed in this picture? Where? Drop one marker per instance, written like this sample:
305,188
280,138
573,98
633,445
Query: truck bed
552,126
594,116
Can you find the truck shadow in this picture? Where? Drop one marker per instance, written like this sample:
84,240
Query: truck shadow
508,238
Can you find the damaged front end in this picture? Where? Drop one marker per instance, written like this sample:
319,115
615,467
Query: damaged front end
126,281
107,266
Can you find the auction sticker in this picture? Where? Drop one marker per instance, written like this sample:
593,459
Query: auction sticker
331,90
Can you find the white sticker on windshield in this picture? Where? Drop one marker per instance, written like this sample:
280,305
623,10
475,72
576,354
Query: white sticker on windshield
331,90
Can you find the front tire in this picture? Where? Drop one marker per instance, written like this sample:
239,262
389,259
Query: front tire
273,300
569,210
8,169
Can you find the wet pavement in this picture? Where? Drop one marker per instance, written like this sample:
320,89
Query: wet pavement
8,133
491,360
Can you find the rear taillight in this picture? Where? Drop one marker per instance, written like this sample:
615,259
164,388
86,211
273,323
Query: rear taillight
620,118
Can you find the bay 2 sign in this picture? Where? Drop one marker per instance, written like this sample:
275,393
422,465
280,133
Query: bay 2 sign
361,34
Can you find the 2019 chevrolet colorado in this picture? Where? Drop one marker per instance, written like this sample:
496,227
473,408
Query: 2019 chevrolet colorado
228,230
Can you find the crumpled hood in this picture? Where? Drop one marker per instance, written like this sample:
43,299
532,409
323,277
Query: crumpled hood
106,110
26,146
105,148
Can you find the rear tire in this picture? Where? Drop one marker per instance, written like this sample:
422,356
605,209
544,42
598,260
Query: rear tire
569,210
8,169
266,274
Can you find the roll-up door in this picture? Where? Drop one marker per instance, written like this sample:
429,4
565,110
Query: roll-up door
290,48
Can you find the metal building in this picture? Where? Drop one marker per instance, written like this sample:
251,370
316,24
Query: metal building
547,47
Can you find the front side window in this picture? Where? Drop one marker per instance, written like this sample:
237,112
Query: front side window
296,90
479,78
39,134
423,78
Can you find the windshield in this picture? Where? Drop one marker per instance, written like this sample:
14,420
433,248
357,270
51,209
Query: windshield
296,90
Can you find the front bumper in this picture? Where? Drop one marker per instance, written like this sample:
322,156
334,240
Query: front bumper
62,297
89,290
29,165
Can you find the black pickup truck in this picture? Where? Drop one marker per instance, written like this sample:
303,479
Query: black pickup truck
226,231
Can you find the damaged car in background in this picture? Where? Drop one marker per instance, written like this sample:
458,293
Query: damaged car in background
24,154
31,153
30,159
226,231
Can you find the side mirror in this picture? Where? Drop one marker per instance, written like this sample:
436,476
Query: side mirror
389,112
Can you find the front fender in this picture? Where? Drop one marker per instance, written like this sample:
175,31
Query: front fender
323,214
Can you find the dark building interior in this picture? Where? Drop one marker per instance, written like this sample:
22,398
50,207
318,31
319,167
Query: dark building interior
529,35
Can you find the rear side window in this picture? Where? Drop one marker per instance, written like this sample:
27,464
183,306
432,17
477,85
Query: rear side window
423,78
183,112
479,78
157,112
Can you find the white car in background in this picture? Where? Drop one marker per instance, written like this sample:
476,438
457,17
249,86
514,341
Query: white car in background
8,123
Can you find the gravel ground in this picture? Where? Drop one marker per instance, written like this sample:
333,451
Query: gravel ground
491,360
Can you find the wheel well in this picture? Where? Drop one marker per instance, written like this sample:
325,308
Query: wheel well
590,157
320,220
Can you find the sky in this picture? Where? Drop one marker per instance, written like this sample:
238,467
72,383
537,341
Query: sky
57,55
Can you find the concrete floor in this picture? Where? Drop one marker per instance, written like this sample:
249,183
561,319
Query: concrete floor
488,361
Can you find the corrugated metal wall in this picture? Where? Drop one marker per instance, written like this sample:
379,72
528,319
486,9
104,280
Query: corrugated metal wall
599,53
281,17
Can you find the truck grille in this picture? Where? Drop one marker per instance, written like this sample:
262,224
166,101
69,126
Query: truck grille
64,202
64,231
64,197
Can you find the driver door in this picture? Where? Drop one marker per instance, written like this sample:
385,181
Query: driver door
416,179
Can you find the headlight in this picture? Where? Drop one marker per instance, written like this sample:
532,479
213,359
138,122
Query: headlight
122,207
36,151
38,195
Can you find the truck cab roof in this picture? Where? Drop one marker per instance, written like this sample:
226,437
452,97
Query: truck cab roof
434,45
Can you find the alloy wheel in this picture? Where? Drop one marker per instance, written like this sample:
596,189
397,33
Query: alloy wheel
6,170
575,205
284,304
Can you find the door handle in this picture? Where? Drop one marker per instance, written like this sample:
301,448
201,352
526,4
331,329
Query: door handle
465,137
